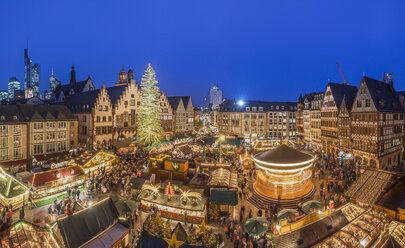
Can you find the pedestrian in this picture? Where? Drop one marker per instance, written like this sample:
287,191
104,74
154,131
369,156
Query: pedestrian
9,216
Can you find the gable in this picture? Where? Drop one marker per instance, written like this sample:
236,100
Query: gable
328,100
88,86
362,98
180,107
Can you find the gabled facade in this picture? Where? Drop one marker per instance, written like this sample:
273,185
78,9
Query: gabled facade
94,112
344,126
377,124
166,117
126,100
331,104
184,114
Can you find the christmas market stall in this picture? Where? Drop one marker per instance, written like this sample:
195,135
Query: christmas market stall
51,182
24,234
92,227
11,190
158,161
173,169
96,162
222,203
174,201
224,178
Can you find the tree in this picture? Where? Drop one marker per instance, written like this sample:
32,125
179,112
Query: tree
149,126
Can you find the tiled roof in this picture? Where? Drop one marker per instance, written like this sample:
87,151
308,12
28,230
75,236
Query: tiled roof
115,93
52,175
10,114
385,99
341,90
77,102
230,105
45,112
174,101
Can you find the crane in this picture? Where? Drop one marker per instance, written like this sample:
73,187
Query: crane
341,73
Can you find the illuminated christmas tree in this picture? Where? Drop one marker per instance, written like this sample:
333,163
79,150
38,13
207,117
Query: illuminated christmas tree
149,126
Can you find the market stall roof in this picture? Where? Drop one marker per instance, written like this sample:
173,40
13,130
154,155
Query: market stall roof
313,233
180,233
53,175
370,186
109,238
81,227
283,154
11,187
24,234
224,177
224,197
394,198
148,240
185,149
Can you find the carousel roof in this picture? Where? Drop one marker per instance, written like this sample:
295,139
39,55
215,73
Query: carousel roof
284,156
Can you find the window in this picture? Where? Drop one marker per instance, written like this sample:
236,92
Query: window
105,108
247,108
132,102
38,149
358,103
98,118
367,102
104,118
84,118
254,108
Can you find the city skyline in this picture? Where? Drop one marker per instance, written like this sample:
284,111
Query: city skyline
235,44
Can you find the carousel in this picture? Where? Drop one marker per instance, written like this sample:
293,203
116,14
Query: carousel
283,177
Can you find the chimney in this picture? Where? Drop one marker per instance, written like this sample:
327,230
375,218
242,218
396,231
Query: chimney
73,75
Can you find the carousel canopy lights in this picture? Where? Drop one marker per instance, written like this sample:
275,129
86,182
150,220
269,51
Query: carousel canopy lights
284,158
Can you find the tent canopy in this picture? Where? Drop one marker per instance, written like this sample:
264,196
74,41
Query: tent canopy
224,197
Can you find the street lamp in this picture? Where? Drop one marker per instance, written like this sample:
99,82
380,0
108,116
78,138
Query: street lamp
221,138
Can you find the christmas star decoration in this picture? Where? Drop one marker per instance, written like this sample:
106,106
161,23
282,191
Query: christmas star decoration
202,228
159,220
173,242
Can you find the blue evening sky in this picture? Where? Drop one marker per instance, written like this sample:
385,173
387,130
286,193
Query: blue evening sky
259,50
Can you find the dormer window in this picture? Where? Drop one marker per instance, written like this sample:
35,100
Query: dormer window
260,108
254,108
277,107
15,117
247,108
381,102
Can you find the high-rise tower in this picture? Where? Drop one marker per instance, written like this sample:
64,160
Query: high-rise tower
35,80
13,85
27,69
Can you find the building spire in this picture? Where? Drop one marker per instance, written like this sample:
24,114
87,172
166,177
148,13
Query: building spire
52,70
73,75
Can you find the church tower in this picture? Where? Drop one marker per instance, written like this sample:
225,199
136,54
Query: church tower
122,76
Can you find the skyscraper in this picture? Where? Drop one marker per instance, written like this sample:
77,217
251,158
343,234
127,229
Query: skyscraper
13,85
27,69
215,96
53,84
35,80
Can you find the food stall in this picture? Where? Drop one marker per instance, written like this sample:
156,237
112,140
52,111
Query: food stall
352,211
95,162
11,190
397,231
25,234
361,232
50,182
175,202
224,178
